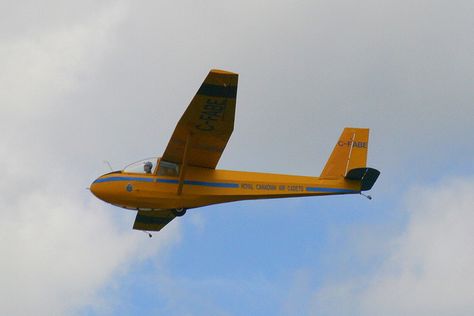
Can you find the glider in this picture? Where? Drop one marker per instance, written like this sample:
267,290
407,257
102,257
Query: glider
185,177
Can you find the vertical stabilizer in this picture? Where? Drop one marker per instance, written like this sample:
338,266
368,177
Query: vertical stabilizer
349,153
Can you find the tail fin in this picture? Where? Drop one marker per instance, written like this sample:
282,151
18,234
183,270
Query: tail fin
349,153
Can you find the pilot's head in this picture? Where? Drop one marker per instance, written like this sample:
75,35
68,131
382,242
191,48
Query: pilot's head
147,167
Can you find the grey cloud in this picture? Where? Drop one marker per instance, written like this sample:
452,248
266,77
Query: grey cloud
307,69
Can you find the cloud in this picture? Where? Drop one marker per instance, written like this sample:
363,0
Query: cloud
432,269
83,82
429,268
59,245
48,62
59,251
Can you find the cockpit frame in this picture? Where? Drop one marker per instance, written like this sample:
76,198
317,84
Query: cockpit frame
159,167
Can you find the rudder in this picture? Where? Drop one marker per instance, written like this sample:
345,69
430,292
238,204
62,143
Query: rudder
350,152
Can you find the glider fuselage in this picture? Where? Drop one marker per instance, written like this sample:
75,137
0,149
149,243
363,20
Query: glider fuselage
205,186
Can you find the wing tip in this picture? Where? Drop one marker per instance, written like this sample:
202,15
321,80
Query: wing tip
223,72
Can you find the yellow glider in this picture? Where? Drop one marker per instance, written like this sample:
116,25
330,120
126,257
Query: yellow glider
186,177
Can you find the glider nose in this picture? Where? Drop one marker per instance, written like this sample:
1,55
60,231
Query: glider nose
97,188
93,188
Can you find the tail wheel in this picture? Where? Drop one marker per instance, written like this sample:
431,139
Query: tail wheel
179,211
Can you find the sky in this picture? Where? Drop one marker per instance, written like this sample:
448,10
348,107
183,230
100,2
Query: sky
92,81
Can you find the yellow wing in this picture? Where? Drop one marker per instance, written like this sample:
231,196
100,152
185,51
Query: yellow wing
207,123
153,220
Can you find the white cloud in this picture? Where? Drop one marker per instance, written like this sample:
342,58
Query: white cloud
430,267
59,251
60,246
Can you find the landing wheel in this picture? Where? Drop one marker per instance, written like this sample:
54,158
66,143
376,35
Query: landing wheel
179,211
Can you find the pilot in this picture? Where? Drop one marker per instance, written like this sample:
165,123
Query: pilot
147,167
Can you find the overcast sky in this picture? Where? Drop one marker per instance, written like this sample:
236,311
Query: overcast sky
83,82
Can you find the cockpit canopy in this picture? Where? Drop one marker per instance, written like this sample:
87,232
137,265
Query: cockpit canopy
149,165
143,166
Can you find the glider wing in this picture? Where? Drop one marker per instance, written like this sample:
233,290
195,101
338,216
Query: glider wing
152,220
205,127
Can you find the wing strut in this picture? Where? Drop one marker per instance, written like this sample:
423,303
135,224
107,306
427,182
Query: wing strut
182,170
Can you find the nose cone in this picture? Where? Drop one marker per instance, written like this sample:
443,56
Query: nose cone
94,188
98,189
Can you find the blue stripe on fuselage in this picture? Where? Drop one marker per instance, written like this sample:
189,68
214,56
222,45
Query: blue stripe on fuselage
212,184
110,179
170,181
201,183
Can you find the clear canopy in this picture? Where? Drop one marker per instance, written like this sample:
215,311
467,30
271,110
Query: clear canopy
149,165
146,166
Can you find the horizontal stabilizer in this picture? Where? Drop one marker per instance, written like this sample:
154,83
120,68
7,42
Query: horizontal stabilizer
366,176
